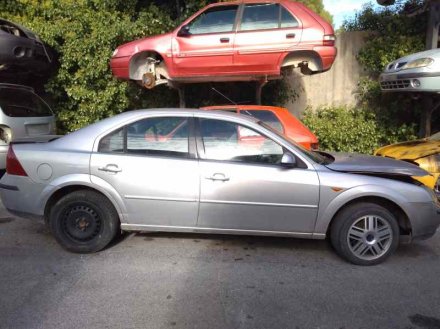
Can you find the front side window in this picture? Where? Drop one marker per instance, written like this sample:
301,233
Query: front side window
163,136
16,102
260,17
228,141
214,20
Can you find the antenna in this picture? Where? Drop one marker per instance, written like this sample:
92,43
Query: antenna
227,98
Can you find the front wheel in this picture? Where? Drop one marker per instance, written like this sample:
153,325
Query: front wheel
83,221
365,233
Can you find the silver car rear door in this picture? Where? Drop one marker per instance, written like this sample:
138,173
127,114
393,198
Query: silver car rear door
152,165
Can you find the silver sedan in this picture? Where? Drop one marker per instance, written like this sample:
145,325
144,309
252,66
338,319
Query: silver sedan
181,170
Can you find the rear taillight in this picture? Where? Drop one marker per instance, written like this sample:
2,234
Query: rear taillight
314,146
329,40
13,166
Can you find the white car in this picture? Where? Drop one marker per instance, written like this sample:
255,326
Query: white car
23,115
419,72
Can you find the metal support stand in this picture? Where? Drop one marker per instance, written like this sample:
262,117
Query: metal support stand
433,25
181,90
259,89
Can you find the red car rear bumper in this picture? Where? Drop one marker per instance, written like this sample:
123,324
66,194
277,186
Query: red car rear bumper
120,67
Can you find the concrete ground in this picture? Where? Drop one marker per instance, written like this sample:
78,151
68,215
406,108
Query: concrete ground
210,281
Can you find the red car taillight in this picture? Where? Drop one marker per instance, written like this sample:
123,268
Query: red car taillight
13,166
329,40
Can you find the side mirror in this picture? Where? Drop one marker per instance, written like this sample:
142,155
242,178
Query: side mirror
184,31
288,160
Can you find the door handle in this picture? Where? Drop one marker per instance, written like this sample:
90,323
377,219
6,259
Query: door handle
224,40
218,177
290,35
110,168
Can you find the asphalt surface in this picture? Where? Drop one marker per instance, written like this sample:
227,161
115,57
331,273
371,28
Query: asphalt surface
210,281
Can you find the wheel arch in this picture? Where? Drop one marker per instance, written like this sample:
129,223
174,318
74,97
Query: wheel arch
309,61
138,60
400,214
65,190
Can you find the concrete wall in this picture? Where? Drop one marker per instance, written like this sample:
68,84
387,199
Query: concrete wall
335,87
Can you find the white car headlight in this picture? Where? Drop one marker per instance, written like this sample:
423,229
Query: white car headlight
115,52
421,62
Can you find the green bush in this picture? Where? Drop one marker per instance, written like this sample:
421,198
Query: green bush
354,130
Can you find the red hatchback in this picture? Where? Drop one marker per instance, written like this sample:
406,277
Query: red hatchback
227,41
278,118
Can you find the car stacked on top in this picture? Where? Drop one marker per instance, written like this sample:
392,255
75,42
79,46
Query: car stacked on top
237,40
21,51
419,72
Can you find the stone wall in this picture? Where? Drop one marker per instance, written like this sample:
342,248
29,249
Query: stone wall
335,87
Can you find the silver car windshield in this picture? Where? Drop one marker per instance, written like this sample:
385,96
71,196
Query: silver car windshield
16,102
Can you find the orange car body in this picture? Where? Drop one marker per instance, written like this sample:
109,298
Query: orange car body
277,117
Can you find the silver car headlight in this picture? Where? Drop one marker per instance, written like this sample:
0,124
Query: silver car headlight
421,62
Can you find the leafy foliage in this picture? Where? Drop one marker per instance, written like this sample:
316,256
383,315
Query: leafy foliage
350,130
393,35
83,35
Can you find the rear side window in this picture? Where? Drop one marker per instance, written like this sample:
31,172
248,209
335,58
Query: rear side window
214,20
164,136
260,17
22,103
267,117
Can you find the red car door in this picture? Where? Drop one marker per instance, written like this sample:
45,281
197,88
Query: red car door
266,31
205,45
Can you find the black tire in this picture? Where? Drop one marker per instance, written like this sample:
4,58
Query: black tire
349,241
83,221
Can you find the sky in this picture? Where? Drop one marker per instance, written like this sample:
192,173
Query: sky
343,9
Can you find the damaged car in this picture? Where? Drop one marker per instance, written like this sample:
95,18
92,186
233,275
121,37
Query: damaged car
21,50
243,40
120,174
424,153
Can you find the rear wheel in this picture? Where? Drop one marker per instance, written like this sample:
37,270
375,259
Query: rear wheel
83,221
365,233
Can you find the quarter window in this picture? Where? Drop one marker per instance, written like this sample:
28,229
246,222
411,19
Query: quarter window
214,20
260,17
228,141
287,20
113,143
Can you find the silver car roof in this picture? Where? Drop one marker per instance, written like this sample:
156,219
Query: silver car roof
84,138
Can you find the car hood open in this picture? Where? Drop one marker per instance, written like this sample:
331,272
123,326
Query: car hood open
367,164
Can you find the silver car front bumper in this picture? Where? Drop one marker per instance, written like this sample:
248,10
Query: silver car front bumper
415,82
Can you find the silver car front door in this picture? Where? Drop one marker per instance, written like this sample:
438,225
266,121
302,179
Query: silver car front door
152,166
244,187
